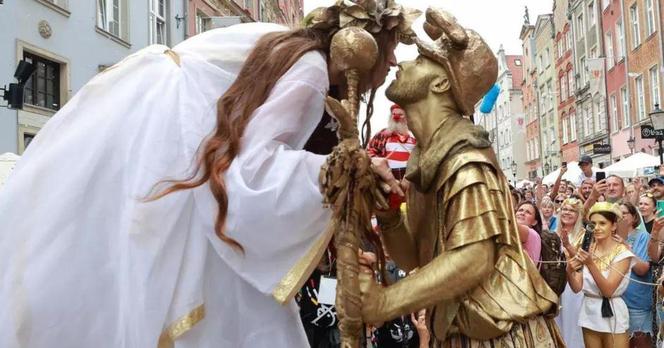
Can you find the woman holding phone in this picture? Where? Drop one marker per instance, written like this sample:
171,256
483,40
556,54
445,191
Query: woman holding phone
570,230
603,317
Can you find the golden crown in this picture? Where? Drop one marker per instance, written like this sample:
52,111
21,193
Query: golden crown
606,207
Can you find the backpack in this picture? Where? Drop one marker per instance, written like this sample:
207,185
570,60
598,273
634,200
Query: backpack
554,274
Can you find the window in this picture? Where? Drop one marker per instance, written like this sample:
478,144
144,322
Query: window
108,16
539,63
614,113
634,18
654,85
620,43
563,88
587,122
598,125
591,14
249,5
582,71
43,87
625,107
547,58
568,39
203,22
552,133
572,126
650,20
570,82
640,99
580,27
158,22
565,129
609,50
549,94
27,139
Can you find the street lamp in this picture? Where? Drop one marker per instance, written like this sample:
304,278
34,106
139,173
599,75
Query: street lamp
546,168
630,144
657,119
514,171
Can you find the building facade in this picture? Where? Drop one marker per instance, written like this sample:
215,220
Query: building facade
617,90
530,101
643,48
41,33
505,123
591,106
564,65
546,78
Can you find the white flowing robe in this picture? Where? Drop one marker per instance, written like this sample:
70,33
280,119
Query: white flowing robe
85,262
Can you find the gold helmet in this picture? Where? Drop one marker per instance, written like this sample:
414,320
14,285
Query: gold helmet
471,65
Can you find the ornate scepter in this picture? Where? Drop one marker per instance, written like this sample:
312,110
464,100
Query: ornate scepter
347,182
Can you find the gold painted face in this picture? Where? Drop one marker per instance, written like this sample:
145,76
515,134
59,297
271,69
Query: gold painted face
604,228
414,80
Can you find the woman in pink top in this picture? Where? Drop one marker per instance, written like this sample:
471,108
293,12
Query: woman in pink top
530,226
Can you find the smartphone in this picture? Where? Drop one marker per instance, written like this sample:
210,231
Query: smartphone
587,237
660,208
600,176
564,164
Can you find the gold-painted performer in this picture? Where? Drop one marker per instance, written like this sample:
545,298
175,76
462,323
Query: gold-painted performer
473,276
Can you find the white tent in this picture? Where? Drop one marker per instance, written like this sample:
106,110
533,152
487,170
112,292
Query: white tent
572,174
7,163
523,183
630,166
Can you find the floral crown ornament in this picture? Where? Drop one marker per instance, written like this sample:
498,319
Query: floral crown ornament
373,16
606,207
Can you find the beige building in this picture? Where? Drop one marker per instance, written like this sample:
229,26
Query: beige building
545,90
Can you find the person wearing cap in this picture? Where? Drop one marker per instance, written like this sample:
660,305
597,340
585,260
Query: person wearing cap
656,185
586,166
479,286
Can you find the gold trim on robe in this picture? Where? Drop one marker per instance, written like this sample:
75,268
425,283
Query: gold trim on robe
180,327
298,274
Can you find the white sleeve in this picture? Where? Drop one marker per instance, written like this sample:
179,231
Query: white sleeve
275,207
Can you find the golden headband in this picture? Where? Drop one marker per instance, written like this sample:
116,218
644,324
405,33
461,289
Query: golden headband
606,207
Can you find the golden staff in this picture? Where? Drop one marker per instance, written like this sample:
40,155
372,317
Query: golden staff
347,182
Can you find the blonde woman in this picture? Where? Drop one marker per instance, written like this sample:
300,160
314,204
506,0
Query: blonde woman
570,230
603,316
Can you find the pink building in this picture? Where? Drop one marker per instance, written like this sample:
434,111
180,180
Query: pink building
616,80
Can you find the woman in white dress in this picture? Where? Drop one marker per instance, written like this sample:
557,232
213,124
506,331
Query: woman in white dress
604,316
570,230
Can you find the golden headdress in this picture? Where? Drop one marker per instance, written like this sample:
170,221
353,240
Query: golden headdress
470,64
370,15
606,207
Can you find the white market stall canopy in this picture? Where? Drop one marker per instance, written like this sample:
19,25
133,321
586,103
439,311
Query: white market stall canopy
7,163
572,174
633,165
523,183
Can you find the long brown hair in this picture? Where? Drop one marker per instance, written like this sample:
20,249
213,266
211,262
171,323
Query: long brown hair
273,55
270,59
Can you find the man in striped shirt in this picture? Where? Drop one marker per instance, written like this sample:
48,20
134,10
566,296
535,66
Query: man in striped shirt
394,142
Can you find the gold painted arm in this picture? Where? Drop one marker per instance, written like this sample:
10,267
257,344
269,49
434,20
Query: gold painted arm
398,240
437,281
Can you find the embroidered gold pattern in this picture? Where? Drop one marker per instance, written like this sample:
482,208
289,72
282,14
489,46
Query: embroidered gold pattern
180,327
